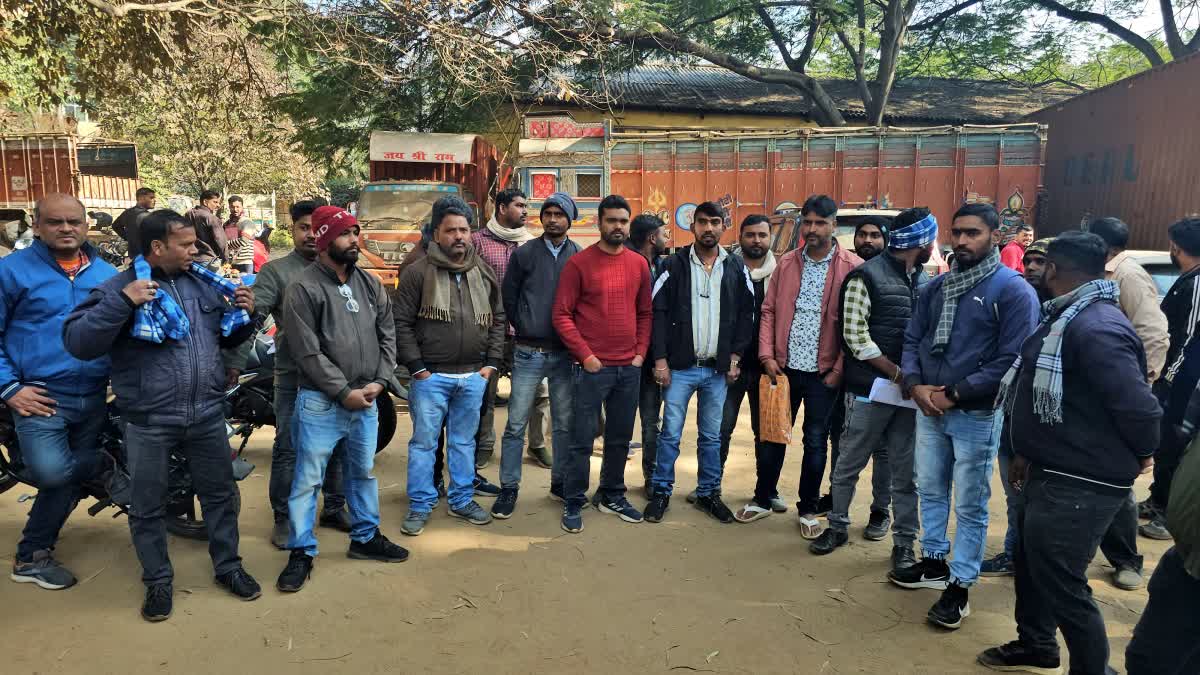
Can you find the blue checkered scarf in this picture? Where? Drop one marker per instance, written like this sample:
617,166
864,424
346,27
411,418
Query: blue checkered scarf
163,318
917,235
1048,369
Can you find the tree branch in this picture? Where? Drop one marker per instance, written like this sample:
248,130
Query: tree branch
780,42
1107,23
940,17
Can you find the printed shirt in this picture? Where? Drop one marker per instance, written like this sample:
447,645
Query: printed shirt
856,308
706,303
805,333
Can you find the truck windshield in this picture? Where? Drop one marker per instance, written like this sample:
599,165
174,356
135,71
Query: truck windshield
400,205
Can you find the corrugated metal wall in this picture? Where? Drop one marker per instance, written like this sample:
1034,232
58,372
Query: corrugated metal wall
1130,150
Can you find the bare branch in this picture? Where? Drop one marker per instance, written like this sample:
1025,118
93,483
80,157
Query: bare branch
1107,23
940,17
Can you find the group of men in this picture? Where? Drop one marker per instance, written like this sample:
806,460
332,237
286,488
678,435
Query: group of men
928,376
238,241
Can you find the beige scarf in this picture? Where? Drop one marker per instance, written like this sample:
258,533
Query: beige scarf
520,235
438,288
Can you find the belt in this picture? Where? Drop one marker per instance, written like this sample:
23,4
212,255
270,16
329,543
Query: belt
535,348
706,363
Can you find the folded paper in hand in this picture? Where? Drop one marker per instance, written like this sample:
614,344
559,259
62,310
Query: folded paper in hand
888,392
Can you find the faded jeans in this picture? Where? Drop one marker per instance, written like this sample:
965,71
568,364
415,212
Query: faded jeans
955,453
319,425
530,367
710,385
59,451
283,461
434,401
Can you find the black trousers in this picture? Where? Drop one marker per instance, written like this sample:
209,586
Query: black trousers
1061,524
1166,640
207,450
650,413
614,390
746,385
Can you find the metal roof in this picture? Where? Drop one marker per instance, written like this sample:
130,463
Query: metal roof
925,100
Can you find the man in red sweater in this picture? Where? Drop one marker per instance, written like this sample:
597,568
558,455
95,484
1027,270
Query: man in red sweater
603,314
1013,253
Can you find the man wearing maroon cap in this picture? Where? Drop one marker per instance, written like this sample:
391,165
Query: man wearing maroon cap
338,320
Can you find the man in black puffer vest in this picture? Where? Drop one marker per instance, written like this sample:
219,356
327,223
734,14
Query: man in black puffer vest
877,301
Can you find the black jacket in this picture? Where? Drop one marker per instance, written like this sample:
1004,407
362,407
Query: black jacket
1182,307
128,226
893,295
671,337
528,291
1110,417
175,383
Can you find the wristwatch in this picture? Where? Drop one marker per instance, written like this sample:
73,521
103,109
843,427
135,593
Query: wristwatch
952,393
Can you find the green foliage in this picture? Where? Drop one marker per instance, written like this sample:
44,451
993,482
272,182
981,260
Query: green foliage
281,238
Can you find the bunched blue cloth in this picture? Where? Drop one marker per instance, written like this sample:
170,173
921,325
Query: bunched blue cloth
163,318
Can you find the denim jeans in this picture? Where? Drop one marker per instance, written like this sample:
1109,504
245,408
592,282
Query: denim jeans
1012,498
955,451
434,401
809,389
710,384
530,367
59,451
1061,524
319,424
485,437
615,390
283,461
209,458
871,427
881,473
650,413
746,385
1164,640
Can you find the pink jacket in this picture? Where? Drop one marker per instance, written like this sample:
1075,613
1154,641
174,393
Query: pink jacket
779,307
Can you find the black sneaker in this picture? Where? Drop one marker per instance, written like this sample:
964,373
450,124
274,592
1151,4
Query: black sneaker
157,606
824,505
902,558
619,507
929,573
505,503
877,527
829,540
1015,656
240,583
298,570
1146,509
713,506
657,508
379,548
337,520
44,571
485,488
950,609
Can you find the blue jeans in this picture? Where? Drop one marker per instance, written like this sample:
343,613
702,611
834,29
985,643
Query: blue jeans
530,367
59,452
711,386
615,389
956,450
455,402
318,424
283,461
1012,498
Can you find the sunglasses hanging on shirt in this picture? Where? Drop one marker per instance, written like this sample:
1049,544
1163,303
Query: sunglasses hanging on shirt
351,303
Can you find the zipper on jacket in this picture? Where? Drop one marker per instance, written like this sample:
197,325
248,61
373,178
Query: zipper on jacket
191,358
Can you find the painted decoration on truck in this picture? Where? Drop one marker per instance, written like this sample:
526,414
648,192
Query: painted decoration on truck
684,215
544,185
562,127
1014,213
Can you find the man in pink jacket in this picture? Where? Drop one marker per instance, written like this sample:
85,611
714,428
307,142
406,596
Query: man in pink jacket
799,338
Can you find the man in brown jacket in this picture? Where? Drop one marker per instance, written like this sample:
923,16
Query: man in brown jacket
450,334
209,230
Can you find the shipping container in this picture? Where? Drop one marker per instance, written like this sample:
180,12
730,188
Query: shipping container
103,175
670,173
1129,150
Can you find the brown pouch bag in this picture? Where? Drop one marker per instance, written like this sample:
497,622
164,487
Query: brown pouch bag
774,410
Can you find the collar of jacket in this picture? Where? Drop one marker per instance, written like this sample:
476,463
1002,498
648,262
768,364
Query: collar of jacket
329,272
43,251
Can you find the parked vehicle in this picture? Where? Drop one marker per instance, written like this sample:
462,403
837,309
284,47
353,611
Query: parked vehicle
1161,269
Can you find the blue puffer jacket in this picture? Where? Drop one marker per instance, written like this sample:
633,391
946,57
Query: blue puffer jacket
38,296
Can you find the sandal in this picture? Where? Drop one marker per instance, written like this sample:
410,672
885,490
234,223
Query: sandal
750,513
810,526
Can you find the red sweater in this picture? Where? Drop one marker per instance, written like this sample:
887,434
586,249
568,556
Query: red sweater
1013,256
602,306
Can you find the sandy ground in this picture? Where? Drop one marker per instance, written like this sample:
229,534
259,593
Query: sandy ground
520,596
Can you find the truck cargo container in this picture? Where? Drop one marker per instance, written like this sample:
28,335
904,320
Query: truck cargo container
1129,150
670,173
102,174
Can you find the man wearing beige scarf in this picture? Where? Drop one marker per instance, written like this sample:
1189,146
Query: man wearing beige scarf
495,244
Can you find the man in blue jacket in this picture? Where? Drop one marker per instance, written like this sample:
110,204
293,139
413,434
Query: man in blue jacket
965,332
58,399
1084,424
170,387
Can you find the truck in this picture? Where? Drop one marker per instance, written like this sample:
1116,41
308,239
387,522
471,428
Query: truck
409,172
102,174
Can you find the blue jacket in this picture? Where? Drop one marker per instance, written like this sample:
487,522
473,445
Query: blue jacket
38,296
992,321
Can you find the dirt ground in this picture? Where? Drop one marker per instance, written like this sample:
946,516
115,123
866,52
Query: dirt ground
520,596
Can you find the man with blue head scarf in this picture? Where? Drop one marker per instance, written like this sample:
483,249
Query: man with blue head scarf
877,301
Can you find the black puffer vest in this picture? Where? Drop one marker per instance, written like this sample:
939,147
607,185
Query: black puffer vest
893,295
